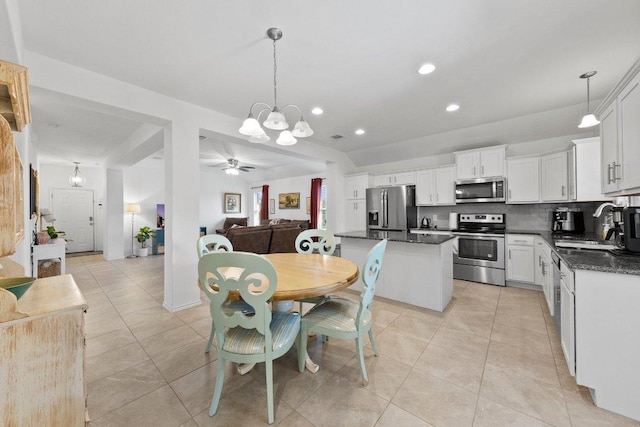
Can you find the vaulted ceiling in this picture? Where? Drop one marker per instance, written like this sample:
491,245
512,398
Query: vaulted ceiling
512,66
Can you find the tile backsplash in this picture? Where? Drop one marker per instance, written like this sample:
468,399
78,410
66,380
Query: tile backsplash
519,217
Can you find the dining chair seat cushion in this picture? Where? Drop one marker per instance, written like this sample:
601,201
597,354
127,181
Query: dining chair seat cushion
284,329
337,314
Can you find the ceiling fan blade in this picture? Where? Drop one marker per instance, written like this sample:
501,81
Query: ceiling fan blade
248,167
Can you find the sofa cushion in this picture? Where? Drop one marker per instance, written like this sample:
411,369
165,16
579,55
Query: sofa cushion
283,238
230,221
250,239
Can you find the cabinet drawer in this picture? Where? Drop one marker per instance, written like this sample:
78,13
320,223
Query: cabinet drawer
519,239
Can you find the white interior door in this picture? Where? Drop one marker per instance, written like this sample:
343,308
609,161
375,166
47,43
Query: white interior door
73,211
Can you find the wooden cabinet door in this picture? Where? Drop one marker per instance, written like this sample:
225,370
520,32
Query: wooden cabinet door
467,165
404,178
445,186
356,215
425,188
382,180
627,169
609,147
523,180
8,190
492,162
554,170
520,263
356,186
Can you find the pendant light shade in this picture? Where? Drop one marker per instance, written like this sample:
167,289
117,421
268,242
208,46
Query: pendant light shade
251,127
276,119
262,137
286,138
589,119
76,179
302,129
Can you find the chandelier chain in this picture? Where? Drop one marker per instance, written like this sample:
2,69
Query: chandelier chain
275,82
588,109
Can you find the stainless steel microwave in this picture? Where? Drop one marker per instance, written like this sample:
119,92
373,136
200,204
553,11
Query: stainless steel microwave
481,190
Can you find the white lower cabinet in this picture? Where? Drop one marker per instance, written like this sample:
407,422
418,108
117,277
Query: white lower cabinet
544,271
356,212
520,258
568,317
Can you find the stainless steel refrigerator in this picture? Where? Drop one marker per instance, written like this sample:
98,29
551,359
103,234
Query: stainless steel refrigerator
392,208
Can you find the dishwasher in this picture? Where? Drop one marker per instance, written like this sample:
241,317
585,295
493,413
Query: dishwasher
557,316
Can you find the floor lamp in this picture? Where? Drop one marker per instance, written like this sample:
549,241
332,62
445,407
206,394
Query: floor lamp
133,209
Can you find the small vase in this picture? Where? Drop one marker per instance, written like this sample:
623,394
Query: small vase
43,237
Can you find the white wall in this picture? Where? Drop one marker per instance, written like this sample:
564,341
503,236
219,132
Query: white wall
144,184
213,184
56,176
298,184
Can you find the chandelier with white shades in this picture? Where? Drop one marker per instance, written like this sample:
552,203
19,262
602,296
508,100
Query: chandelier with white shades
276,119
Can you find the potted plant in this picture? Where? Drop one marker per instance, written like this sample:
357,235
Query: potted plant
56,236
143,235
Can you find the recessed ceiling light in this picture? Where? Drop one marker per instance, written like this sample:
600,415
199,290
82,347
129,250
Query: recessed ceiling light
317,111
426,69
453,107
359,131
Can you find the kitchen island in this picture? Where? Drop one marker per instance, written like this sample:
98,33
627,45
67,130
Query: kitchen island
417,268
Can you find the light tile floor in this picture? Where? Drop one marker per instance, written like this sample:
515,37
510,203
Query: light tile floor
492,358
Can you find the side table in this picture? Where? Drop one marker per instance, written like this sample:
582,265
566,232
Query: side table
47,251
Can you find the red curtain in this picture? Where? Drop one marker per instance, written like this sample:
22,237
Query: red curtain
264,204
316,194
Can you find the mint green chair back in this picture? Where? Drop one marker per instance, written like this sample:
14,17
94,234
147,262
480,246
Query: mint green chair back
345,318
213,243
245,336
316,241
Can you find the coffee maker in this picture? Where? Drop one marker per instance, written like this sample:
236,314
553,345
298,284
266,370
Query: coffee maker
564,220
631,217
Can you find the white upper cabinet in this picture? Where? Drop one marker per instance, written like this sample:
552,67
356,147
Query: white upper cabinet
609,147
435,186
555,173
620,135
586,181
627,169
401,178
523,180
356,186
486,162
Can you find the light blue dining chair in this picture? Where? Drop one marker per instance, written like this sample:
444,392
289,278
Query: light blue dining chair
319,242
345,318
214,243
260,336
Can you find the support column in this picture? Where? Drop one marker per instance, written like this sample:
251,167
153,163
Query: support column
182,192
113,236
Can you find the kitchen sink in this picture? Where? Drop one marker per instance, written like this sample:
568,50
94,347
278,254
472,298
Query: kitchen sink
585,244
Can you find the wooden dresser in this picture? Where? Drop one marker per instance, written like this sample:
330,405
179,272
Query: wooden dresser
42,355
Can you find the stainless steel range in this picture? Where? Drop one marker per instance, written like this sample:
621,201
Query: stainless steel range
478,253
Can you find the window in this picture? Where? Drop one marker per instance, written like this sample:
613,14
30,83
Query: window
322,221
257,203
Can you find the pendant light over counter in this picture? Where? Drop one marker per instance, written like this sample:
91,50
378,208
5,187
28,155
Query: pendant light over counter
589,119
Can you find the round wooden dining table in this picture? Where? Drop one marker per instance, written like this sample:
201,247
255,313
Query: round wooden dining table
310,275
303,276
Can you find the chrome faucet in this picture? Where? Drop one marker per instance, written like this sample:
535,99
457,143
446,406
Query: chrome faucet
602,207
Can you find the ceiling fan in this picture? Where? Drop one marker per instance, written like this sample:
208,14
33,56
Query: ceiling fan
232,167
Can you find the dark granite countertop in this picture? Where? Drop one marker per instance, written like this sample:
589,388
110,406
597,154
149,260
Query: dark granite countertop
398,236
616,261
